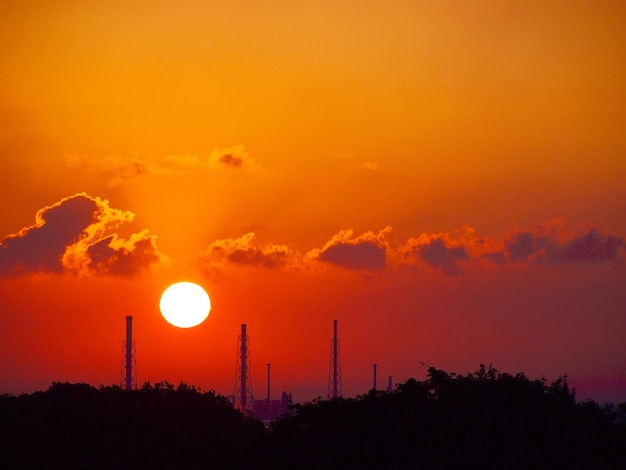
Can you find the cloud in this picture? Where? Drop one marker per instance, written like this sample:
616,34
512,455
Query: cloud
548,243
367,251
444,251
41,247
230,158
114,169
117,170
116,257
369,166
73,235
451,253
438,254
243,251
551,243
362,255
522,245
592,247
440,251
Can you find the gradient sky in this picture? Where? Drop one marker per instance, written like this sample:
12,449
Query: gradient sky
447,179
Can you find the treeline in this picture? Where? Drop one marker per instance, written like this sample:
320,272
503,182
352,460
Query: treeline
486,420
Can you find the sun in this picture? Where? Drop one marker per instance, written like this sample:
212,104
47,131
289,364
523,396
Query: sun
185,304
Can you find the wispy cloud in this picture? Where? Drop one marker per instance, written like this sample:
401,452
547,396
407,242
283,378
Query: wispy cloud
368,166
74,235
118,170
115,170
231,158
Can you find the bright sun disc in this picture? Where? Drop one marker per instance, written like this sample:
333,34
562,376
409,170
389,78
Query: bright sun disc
185,304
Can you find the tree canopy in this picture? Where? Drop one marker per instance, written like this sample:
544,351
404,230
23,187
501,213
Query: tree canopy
485,419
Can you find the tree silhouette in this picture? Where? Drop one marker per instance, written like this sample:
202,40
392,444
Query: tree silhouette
78,426
485,419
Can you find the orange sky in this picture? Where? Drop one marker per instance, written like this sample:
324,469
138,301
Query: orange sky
446,179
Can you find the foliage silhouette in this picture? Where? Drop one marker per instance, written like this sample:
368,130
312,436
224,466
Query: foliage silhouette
79,426
485,419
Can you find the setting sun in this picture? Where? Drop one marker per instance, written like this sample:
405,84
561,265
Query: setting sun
185,304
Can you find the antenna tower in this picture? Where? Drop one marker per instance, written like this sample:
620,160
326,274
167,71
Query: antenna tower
334,368
242,396
128,374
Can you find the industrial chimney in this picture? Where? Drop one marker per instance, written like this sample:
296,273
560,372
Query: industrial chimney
128,376
242,395
334,373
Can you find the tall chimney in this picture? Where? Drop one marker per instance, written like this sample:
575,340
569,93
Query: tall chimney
129,352
335,343
244,364
242,395
334,366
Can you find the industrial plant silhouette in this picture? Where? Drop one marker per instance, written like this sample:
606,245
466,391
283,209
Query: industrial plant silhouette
242,397
485,419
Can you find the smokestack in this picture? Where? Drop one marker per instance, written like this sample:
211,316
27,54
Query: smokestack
335,342
375,365
244,364
334,366
389,385
242,395
129,352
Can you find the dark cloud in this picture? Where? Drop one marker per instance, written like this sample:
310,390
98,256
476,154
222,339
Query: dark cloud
591,247
71,235
550,246
126,259
520,246
231,160
242,251
41,247
254,256
356,255
439,255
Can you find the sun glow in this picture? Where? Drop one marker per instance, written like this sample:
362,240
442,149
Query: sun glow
185,304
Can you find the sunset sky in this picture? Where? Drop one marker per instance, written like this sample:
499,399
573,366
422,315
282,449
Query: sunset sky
447,179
